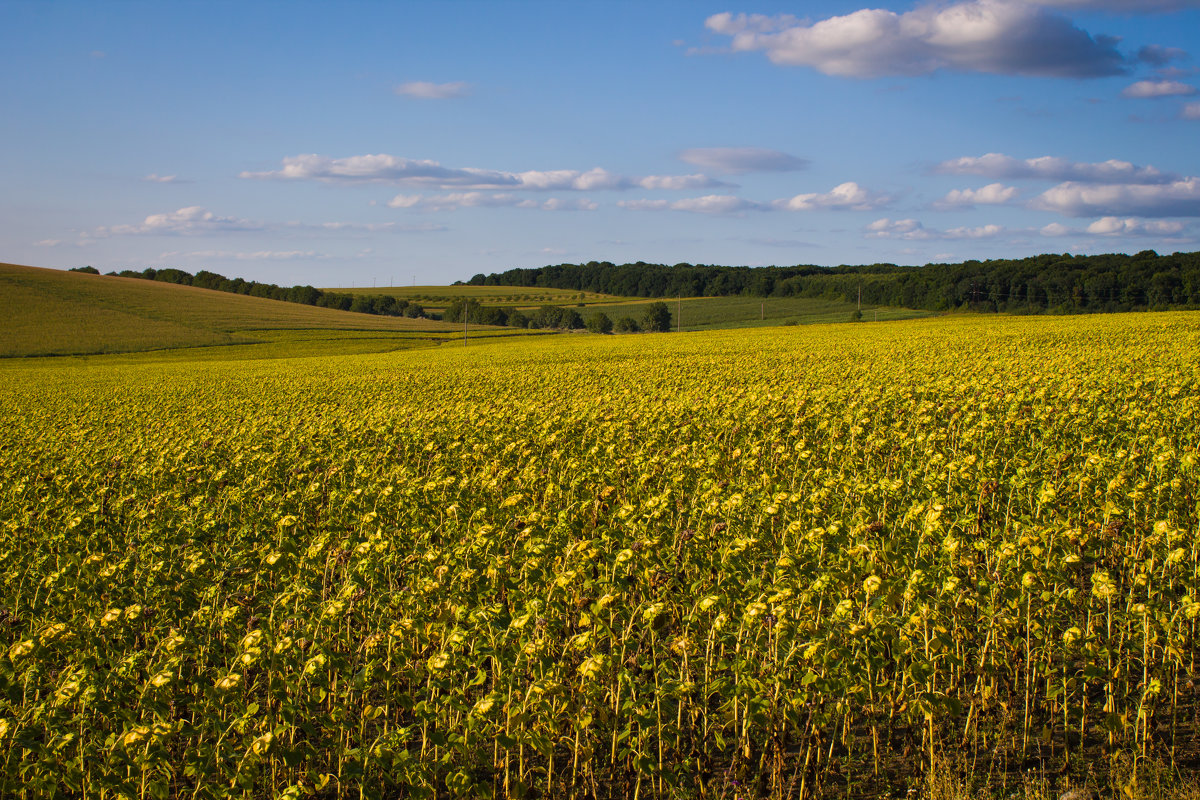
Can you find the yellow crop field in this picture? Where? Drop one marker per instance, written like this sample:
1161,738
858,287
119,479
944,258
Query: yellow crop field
947,557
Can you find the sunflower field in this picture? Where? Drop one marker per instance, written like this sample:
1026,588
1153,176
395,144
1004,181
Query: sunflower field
805,562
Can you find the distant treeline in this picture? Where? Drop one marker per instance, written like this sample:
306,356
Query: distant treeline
383,304
1062,283
655,317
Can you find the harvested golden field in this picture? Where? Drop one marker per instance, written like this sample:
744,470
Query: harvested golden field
50,312
840,561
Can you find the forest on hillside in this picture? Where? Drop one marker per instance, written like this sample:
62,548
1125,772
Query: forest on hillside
1051,282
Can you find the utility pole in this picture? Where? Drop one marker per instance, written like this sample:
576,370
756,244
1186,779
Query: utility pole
679,313
860,297
763,311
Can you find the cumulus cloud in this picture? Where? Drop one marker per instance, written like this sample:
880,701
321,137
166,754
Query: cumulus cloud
709,204
1115,226
742,159
994,36
192,220
455,200
424,90
998,165
1190,111
848,195
1056,229
1180,198
153,178
1158,89
383,168
992,194
913,230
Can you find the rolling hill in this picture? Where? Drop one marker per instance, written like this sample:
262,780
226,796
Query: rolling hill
51,312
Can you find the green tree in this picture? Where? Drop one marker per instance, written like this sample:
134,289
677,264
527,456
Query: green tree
599,323
455,311
657,317
627,325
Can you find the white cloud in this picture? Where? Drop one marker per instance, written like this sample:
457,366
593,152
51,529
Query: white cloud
992,194
981,232
715,204
186,221
198,221
558,204
848,195
366,227
1115,226
48,243
598,179
677,183
709,204
383,168
998,165
1180,198
1190,111
424,90
995,36
908,229
260,255
742,159
913,230
455,200
153,178
1056,229
405,201
1158,89
645,205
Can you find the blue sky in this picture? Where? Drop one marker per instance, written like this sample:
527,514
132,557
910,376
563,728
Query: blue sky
358,143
